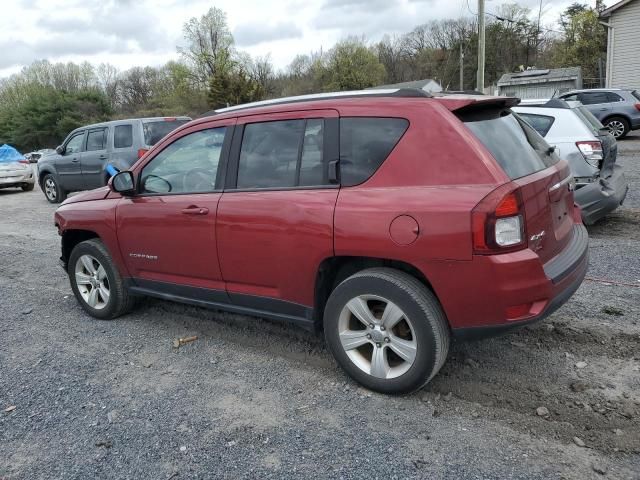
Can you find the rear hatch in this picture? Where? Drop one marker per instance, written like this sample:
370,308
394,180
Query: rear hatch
609,143
544,181
157,128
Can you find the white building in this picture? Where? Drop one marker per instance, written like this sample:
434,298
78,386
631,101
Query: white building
622,21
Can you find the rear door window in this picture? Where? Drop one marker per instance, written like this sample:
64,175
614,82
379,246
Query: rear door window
96,139
155,130
516,146
123,136
614,97
541,123
365,142
594,98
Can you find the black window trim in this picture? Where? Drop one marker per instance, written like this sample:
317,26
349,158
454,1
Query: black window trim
553,120
329,152
96,129
222,163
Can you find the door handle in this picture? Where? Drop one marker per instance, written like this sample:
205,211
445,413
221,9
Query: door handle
102,157
75,160
195,210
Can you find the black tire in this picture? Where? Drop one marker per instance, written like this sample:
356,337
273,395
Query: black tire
27,187
618,126
417,302
120,301
56,193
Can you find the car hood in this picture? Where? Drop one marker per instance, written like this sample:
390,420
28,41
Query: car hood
97,194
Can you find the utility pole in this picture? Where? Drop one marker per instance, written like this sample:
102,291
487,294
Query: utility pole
461,67
480,81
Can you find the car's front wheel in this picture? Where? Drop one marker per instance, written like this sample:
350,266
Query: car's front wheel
617,126
52,189
96,282
386,330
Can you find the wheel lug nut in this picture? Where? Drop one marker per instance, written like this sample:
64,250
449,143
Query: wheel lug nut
378,345
369,336
382,328
386,339
371,325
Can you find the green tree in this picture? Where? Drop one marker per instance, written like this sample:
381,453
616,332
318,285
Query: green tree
351,65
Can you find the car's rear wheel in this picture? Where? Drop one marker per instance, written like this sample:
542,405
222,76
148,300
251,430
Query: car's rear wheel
386,330
96,282
52,190
27,187
617,126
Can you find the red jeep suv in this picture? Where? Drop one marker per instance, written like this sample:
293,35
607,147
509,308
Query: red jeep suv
390,219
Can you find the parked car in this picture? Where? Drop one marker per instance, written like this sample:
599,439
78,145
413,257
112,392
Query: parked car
344,213
590,149
15,171
33,157
80,163
618,109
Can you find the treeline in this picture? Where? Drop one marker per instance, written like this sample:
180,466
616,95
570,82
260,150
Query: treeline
42,103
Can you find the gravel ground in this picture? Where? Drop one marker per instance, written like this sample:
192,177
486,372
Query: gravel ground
255,399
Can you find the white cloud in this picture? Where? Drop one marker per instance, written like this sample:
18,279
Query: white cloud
146,32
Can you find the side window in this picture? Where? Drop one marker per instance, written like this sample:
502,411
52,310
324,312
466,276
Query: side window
269,154
123,136
74,145
312,160
614,97
571,98
593,98
96,139
188,165
540,123
366,142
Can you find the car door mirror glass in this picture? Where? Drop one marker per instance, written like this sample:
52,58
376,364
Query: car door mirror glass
123,182
60,150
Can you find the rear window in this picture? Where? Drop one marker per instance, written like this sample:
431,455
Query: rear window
365,142
123,136
155,130
516,146
541,123
636,94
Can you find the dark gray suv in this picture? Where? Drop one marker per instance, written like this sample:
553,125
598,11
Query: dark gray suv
617,108
80,163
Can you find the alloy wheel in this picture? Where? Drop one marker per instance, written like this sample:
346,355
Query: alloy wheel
377,336
92,281
616,128
50,189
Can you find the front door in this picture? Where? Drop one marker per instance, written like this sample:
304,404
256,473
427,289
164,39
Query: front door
275,218
167,231
68,165
95,158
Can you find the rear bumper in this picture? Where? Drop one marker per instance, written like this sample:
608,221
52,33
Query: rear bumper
16,178
546,288
602,197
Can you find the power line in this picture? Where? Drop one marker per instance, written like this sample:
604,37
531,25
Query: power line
509,20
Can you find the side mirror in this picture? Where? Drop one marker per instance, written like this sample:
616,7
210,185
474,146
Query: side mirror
122,183
60,150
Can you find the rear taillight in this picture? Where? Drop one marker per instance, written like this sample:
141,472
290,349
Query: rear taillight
637,105
591,151
498,222
24,160
142,151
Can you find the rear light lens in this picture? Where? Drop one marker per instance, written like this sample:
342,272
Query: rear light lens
498,222
25,161
591,151
142,151
637,105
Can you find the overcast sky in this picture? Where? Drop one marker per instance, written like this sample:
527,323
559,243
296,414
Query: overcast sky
146,32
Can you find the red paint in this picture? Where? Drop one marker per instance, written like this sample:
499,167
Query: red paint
417,208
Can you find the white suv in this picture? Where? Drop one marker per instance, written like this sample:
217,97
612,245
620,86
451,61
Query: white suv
590,149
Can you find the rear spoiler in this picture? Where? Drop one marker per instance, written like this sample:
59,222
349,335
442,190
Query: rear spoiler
469,103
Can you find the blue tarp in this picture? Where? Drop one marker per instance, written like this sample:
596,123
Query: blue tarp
9,154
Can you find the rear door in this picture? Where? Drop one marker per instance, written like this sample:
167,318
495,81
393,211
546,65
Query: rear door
275,218
68,166
95,158
545,182
596,102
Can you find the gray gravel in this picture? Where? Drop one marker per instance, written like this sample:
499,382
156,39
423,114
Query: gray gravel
254,399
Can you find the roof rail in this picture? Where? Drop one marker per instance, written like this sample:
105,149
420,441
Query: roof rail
391,92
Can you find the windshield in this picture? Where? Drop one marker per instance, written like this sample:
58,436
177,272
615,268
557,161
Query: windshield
517,147
155,130
589,119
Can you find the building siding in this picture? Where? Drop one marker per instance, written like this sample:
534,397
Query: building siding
624,58
540,90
